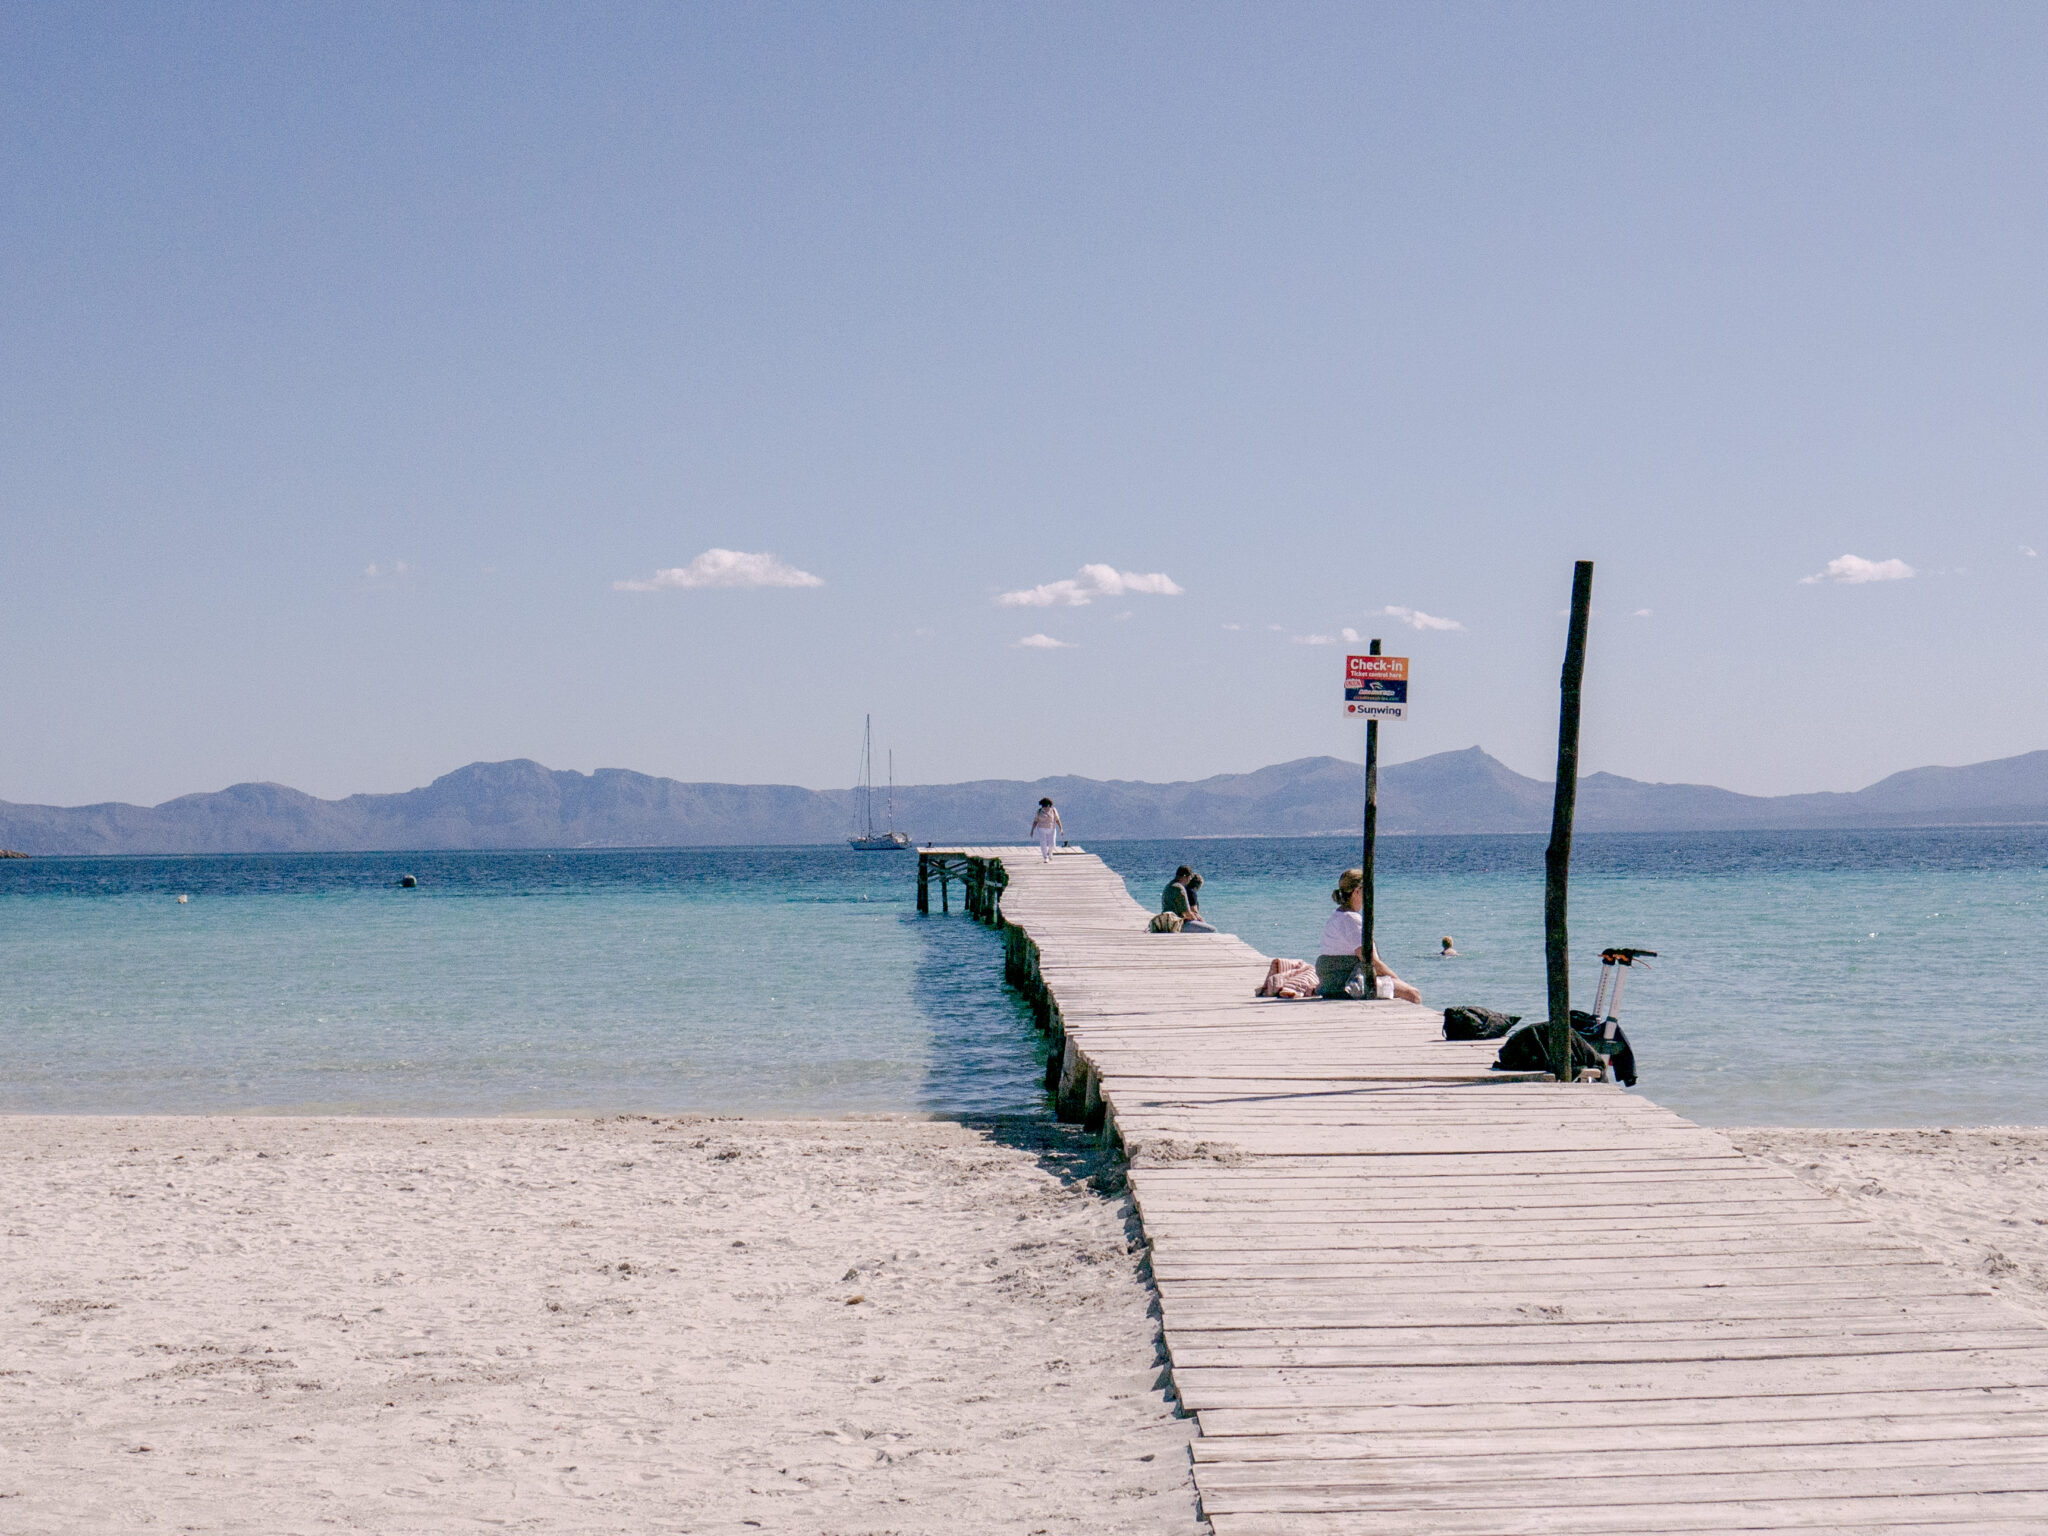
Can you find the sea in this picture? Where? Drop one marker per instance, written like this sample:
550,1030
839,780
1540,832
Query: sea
1801,978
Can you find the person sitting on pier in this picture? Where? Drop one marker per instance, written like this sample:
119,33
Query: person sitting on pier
1180,897
1344,942
1045,826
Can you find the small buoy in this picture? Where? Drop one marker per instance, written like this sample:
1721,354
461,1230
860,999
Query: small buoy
183,899
407,881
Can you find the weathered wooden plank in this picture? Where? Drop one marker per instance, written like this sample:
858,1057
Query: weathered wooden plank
1832,1321
1224,1494
1203,1387
1618,1347
1275,1425
1426,1313
1877,1518
1989,1513
1652,1444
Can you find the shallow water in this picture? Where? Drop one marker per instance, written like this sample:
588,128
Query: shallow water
790,981
1803,978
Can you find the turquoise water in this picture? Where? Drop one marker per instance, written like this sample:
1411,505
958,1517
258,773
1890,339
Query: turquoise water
781,981
1885,978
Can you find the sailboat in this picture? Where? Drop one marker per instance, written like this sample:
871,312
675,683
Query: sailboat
869,840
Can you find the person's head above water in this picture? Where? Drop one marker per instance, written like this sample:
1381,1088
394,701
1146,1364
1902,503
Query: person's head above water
1447,941
1348,885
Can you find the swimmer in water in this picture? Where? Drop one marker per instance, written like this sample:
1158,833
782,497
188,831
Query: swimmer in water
1447,953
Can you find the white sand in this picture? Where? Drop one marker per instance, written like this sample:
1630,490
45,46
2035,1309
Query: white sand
269,1325
1977,1197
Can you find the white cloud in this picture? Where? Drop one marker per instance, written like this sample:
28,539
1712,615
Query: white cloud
2030,552
1045,643
1642,613
1233,626
1093,582
723,568
1315,639
383,572
1274,627
1348,636
1854,570
1415,618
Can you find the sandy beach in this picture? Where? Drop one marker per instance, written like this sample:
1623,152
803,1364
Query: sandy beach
278,1325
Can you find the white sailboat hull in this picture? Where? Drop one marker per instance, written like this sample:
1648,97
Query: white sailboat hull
880,842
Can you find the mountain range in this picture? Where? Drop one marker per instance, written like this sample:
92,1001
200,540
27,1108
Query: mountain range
521,804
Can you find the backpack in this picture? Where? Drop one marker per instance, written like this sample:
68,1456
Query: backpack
1166,922
1469,1022
1524,1051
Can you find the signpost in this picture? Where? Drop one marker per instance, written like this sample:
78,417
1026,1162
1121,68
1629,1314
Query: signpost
1375,689
1376,686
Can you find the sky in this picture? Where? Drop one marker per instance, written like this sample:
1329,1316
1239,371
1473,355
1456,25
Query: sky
670,387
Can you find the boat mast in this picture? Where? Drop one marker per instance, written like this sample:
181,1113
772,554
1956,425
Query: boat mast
867,777
892,793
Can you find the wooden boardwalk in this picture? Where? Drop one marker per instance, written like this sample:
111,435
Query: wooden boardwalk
1403,1294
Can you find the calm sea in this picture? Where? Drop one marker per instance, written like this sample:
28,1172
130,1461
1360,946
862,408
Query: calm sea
1894,978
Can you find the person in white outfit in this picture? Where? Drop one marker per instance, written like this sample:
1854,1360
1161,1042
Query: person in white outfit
1045,826
1344,942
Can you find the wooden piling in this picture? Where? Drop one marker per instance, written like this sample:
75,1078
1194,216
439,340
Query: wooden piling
1557,858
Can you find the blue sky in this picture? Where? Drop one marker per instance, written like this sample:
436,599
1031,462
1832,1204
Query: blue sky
356,356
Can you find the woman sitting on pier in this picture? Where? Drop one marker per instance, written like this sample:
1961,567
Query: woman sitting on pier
1344,942
1182,893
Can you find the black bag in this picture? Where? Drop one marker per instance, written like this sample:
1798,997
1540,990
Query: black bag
1467,1021
1524,1048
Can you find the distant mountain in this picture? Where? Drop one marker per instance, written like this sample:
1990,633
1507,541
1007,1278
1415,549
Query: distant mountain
520,804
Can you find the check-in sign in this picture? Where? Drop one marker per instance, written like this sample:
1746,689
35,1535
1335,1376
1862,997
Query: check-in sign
1376,687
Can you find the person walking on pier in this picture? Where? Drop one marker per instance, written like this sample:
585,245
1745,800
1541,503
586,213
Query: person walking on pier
1045,826
1344,942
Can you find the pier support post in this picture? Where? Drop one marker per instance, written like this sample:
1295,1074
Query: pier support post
1070,1099
924,884
1557,858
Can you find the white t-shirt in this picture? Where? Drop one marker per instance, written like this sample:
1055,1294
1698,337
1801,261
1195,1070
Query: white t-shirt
1344,933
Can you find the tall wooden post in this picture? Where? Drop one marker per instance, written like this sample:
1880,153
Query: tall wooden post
924,884
1557,859
1372,823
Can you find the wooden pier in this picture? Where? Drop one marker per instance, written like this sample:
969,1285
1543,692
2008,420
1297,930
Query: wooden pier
1404,1294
